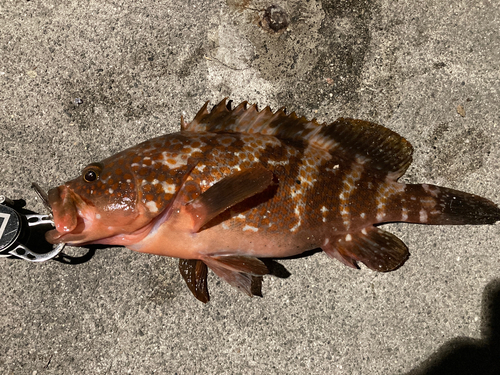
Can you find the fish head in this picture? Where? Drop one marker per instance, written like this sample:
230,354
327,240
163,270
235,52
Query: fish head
99,205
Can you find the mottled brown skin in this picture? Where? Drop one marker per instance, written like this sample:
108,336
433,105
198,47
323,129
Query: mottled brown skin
237,184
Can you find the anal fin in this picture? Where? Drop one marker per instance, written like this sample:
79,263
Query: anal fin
377,249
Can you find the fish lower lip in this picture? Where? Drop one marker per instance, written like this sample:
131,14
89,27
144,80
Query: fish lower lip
76,235
54,237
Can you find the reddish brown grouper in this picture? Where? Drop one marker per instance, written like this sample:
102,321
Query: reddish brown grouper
236,185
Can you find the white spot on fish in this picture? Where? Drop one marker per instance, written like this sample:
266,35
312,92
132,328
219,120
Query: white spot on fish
307,175
404,214
249,227
174,160
384,193
110,191
326,242
97,216
364,231
168,188
348,186
428,202
348,238
241,216
324,210
224,225
423,216
322,141
274,162
432,190
363,215
151,206
296,226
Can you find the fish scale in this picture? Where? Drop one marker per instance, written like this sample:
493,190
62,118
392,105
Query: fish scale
238,184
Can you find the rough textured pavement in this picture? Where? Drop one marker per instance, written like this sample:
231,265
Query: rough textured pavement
81,80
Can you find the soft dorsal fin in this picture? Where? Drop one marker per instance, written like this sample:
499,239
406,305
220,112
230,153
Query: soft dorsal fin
374,145
377,146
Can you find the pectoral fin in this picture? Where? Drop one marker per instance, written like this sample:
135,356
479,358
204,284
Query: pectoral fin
228,192
194,273
377,249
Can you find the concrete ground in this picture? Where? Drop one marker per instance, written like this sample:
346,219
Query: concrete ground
81,80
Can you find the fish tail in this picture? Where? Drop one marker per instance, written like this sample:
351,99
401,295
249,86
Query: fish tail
430,204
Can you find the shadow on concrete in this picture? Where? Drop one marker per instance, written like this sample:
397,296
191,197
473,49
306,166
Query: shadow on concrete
67,259
464,355
277,269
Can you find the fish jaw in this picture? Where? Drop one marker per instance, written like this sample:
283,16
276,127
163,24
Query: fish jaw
78,222
63,209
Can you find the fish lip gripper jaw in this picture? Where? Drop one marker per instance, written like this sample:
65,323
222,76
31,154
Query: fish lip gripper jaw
21,230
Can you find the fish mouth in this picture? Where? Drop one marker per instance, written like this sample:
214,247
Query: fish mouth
79,222
69,224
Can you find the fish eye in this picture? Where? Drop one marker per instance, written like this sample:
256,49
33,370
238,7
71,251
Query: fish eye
91,173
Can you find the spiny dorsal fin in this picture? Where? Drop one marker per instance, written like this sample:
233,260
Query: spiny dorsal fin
248,119
373,145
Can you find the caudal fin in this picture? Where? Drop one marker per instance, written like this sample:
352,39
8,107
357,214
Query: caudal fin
429,204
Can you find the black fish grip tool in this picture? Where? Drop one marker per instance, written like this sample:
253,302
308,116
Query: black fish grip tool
22,230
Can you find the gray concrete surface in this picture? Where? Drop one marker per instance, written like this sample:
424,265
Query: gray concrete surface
137,66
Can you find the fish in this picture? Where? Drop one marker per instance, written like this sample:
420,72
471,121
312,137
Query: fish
237,185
